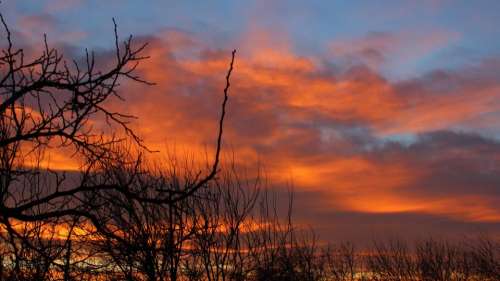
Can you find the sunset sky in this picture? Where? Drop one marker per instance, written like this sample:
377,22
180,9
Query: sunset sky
383,115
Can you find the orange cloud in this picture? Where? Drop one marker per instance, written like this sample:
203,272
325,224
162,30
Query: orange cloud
324,127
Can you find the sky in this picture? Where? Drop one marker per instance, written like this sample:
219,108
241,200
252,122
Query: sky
382,115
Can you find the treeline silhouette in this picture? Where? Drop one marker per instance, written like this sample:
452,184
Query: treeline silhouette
231,229
121,217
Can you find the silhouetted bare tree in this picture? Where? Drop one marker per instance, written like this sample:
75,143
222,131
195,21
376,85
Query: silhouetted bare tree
341,262
47,103
223,218
151,238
